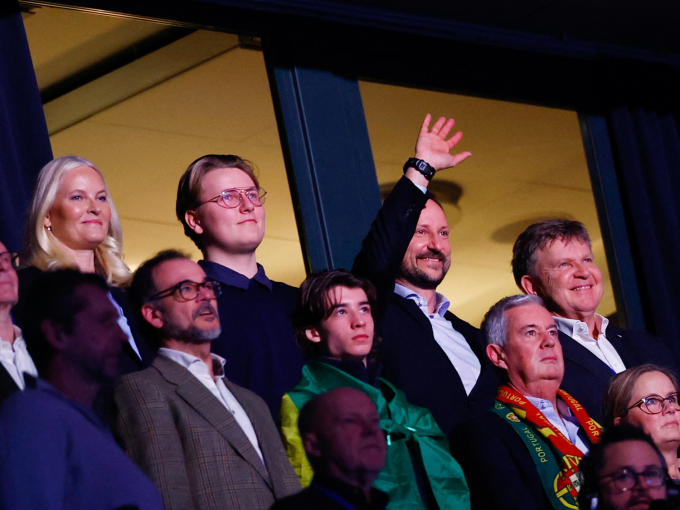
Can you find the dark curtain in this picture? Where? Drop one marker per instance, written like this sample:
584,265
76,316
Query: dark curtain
647,144
24,142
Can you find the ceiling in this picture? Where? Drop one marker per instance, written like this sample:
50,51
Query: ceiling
143,122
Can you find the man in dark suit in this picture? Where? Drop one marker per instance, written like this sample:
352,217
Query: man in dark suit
434,357
524,453
340,432
14,357
205,442
553,259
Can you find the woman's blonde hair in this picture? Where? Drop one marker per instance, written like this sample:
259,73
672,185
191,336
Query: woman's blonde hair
46,252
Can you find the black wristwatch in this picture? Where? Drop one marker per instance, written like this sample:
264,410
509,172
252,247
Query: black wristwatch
422,166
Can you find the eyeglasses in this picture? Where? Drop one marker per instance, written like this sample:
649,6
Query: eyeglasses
188,291
654,404
233,197
625,479
10,258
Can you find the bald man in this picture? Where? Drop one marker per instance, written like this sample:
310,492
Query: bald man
341,434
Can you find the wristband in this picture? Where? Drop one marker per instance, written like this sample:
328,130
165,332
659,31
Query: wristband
423,167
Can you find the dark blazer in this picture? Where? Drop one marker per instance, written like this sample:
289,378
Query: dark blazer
7,385
498,467
412,359
193,449
585,376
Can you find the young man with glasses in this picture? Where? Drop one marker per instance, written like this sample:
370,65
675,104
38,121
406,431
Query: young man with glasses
219,202
205,442
625,470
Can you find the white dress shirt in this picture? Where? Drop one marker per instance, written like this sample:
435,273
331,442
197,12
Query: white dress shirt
201,371
16,360
451,341
563,421
600,347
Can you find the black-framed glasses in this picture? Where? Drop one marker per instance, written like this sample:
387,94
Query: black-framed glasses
11,258
626,478
232,197
188,290
655,404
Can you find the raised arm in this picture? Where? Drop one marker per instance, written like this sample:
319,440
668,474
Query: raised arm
433,147
383,249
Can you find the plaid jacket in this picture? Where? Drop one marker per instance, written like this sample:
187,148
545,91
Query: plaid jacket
193,449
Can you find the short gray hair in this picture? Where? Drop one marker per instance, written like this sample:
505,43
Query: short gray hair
495,323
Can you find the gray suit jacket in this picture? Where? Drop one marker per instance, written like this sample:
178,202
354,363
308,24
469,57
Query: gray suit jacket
193,449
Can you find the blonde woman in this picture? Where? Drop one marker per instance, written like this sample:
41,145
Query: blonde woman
73,223
647,397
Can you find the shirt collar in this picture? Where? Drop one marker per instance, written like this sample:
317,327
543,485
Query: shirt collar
19,342
189,360
230,277
575,327
441,304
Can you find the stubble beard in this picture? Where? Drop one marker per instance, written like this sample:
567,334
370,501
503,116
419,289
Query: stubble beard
421,279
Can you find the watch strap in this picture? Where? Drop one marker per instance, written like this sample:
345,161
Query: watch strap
422,166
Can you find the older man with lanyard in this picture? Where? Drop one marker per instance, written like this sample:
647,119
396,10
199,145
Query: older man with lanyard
534,438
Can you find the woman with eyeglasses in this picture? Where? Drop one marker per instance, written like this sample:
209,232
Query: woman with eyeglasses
647,397
73,223
624,471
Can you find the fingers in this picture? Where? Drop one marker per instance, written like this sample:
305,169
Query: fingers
460,157
441,121
425,128
446,128
454,139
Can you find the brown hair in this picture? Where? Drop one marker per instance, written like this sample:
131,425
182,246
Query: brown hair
189,188
538,236
315,305
620,388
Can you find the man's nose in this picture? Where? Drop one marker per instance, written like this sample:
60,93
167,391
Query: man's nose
434,242
245,205
549,339
358,320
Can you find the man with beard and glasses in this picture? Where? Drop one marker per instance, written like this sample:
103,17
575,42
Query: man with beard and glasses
205,442
434,357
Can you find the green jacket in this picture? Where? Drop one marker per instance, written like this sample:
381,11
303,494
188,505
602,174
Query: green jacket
402,423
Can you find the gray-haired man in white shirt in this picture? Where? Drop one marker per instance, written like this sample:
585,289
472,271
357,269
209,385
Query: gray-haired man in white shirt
205,442
14,358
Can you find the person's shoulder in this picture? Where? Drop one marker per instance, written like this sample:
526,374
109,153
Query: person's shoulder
284,288
148,381
37,406
484,422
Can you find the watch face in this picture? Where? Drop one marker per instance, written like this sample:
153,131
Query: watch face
422,165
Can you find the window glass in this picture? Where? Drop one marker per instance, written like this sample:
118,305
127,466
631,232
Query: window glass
527,165
143,119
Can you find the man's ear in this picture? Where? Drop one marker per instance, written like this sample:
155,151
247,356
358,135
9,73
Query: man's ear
496,354
153,315
529,284
313,335
310,442
54,334
194,221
